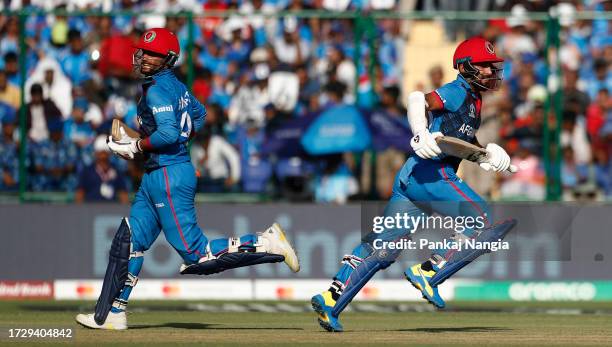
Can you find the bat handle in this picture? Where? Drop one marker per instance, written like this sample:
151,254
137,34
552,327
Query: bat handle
512,169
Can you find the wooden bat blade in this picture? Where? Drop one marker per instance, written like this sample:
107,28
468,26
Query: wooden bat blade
461,149
116,132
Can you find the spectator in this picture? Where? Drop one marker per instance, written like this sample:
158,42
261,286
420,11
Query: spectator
389,161
217,163
9,93
215,119
10,39
290,48
77,129
602,78
9,156
209,24
55,161
597,113
55,85
342,69
7,113
574,99
256,170
249,101
570,176
101,182
11,68
334,94
237,48
336,183
75,63
436,78
517,40
39,113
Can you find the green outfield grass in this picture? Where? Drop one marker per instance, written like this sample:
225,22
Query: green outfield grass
468,323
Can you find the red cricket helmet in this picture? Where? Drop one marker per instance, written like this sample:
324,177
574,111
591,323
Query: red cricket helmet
161,41
475,50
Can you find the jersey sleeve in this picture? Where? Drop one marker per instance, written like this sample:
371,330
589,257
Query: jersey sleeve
451,95
198,114
162,108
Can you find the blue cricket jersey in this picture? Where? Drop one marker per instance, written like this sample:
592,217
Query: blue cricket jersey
167,114
460,117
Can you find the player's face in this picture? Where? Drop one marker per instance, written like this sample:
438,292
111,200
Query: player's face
147,63
489,75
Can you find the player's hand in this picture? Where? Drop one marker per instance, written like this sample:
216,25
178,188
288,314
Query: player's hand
424,144
497,159
126,149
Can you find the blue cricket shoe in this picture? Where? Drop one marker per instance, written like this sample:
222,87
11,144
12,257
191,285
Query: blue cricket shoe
419,279
323,305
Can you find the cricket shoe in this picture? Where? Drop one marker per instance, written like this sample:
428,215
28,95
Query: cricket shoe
419,279
114,321
323,304
277,243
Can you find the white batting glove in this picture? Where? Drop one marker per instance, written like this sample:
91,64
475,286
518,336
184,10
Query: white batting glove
125,138
497,159
126,149
424,144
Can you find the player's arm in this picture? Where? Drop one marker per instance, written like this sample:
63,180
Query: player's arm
433,102
423,142
168,131
198,115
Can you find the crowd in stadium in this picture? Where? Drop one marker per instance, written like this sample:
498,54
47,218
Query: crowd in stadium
78,78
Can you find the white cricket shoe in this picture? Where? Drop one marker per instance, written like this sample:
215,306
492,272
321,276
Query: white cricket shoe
277,243
114,321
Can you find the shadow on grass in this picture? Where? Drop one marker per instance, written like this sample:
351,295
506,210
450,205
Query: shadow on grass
204,326
455,330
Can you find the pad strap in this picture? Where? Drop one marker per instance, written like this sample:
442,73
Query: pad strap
232,244
352,260
120,304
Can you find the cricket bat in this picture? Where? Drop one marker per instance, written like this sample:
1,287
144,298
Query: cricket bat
462,149
116,130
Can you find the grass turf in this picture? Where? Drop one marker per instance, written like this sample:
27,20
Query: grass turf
465,323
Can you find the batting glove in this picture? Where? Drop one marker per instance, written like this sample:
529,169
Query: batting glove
497,159
126,148
424,144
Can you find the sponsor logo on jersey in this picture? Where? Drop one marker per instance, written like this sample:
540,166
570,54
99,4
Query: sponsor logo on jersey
167,108
159,205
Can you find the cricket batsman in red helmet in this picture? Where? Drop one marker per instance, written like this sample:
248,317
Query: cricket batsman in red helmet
428,183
